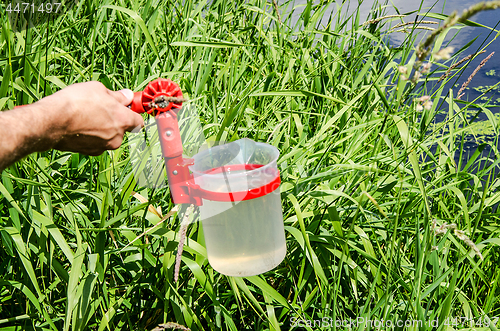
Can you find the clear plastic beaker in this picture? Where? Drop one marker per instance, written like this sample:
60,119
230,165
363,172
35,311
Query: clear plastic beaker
244,234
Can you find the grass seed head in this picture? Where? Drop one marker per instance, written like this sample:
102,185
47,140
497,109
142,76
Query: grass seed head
460,234
426,67
444,53
171,325
427,105
402,70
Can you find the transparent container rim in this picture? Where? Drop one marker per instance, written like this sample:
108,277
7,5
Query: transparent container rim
242,174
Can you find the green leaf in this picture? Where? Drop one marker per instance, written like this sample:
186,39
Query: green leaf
443,17
290,93
318,269
268,289
139,21
207,44
24,256
55,233
4,87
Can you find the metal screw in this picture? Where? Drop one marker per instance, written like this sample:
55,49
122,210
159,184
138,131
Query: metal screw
175,172
169,133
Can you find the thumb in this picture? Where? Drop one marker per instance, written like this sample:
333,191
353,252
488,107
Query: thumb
124,96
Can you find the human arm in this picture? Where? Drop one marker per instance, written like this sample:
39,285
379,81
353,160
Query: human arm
86,118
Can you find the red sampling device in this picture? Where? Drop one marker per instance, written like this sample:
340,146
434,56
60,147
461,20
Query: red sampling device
163,99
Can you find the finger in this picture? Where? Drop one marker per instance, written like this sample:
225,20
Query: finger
124,96
114,143
95,152
134,121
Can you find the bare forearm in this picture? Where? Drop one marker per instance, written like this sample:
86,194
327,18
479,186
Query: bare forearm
33,128
86,118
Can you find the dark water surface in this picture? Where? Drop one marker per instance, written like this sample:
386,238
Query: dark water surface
457,40
489,75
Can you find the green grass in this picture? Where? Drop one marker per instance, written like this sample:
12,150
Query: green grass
360,185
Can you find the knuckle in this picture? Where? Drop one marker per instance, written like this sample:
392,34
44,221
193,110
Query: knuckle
98,84
93,85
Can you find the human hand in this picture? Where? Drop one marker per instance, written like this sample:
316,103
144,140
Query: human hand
91,118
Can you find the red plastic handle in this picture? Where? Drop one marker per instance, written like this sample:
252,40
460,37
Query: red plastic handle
179,177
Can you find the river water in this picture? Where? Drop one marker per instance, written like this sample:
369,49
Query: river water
489,75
